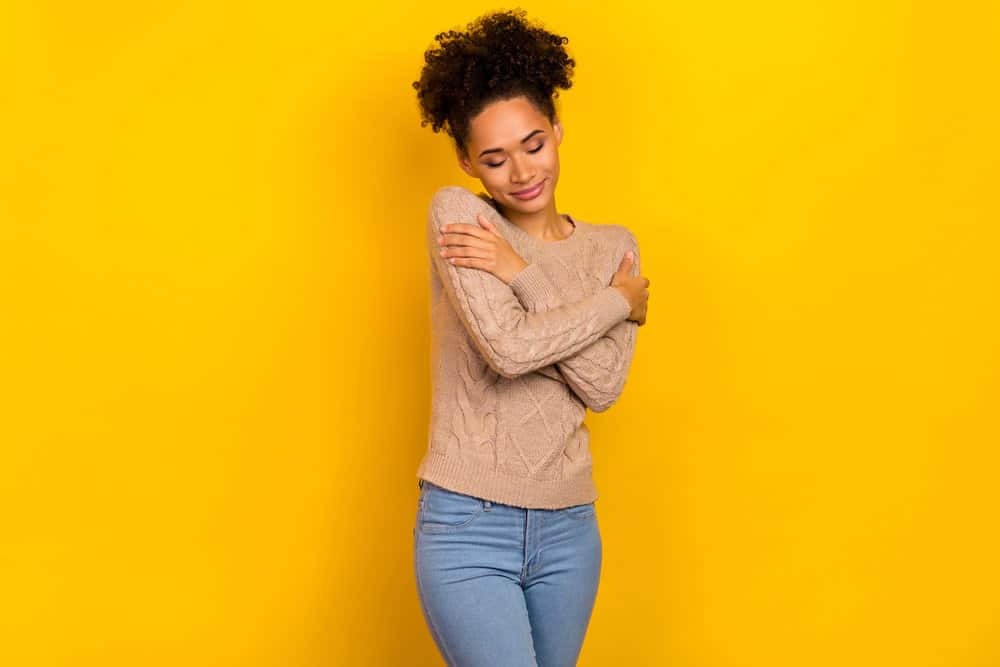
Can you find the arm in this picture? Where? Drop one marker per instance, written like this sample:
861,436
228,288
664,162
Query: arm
513,340
597,373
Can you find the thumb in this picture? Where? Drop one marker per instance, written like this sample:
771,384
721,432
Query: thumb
626,264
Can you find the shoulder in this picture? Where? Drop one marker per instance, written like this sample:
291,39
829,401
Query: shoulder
450,192
456,195
616,235
451,199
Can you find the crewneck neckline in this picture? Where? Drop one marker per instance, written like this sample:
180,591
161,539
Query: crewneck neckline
577,230
540,242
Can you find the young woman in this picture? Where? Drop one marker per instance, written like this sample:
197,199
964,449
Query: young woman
534,317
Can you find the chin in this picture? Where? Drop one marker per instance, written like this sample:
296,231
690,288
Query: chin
536,204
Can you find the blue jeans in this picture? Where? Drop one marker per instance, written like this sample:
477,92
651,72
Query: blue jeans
505,586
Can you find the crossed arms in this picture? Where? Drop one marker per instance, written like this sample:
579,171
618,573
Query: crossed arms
530,325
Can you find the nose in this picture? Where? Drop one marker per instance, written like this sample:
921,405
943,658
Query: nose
521,174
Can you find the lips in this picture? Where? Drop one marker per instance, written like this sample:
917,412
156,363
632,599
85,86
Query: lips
530,192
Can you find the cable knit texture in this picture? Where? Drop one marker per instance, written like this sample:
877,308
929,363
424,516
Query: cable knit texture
515,366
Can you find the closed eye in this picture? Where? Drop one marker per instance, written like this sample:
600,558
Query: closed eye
500,164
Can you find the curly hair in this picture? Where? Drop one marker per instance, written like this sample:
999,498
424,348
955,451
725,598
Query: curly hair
500,56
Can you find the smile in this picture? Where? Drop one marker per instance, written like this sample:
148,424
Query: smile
530,194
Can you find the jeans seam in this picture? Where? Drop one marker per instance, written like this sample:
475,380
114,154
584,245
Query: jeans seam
438,528
420,590
441,528
587,514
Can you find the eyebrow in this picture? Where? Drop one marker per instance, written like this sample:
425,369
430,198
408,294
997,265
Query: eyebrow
499,150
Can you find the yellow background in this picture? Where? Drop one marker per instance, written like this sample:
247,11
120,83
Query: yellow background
214,355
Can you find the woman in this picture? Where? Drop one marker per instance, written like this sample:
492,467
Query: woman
534,317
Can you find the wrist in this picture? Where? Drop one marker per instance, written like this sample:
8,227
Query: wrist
519,267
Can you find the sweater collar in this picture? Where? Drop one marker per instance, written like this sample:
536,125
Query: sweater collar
569,240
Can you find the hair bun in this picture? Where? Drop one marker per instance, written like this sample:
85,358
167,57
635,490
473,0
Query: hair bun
501,55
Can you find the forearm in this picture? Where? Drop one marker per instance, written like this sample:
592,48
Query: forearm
512,339
596,373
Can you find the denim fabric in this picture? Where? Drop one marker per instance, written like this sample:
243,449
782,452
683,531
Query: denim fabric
504,586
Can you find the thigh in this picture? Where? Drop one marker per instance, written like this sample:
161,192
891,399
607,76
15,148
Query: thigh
561,589
467,566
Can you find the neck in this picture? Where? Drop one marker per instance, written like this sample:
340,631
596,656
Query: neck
546,225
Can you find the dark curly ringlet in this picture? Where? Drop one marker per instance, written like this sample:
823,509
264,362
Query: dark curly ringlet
500,56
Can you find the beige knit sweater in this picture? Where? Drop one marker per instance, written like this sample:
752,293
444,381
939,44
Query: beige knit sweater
514,366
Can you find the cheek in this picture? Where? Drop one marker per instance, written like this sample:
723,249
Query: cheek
490,178
552,162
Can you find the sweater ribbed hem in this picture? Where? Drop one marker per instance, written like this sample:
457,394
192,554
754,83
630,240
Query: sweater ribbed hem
455,474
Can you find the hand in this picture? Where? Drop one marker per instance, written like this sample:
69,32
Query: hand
480,247
632,288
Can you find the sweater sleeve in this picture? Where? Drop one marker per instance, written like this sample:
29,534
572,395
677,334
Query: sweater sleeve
511,339
597,373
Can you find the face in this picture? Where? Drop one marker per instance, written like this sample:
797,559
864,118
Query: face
512,147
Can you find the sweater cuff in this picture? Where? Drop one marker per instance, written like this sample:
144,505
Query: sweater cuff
619,299
533,287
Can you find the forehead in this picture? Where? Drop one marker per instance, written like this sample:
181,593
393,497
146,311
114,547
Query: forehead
505,122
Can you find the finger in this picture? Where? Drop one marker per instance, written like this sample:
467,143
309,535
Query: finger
470,262
464,228
462,240
626,263
464,252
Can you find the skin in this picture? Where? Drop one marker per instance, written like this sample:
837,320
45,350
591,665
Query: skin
503,125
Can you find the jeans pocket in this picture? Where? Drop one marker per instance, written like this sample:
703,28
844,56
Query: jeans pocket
445,511
584,511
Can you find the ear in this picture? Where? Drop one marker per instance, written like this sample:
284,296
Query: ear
464,164
558,130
